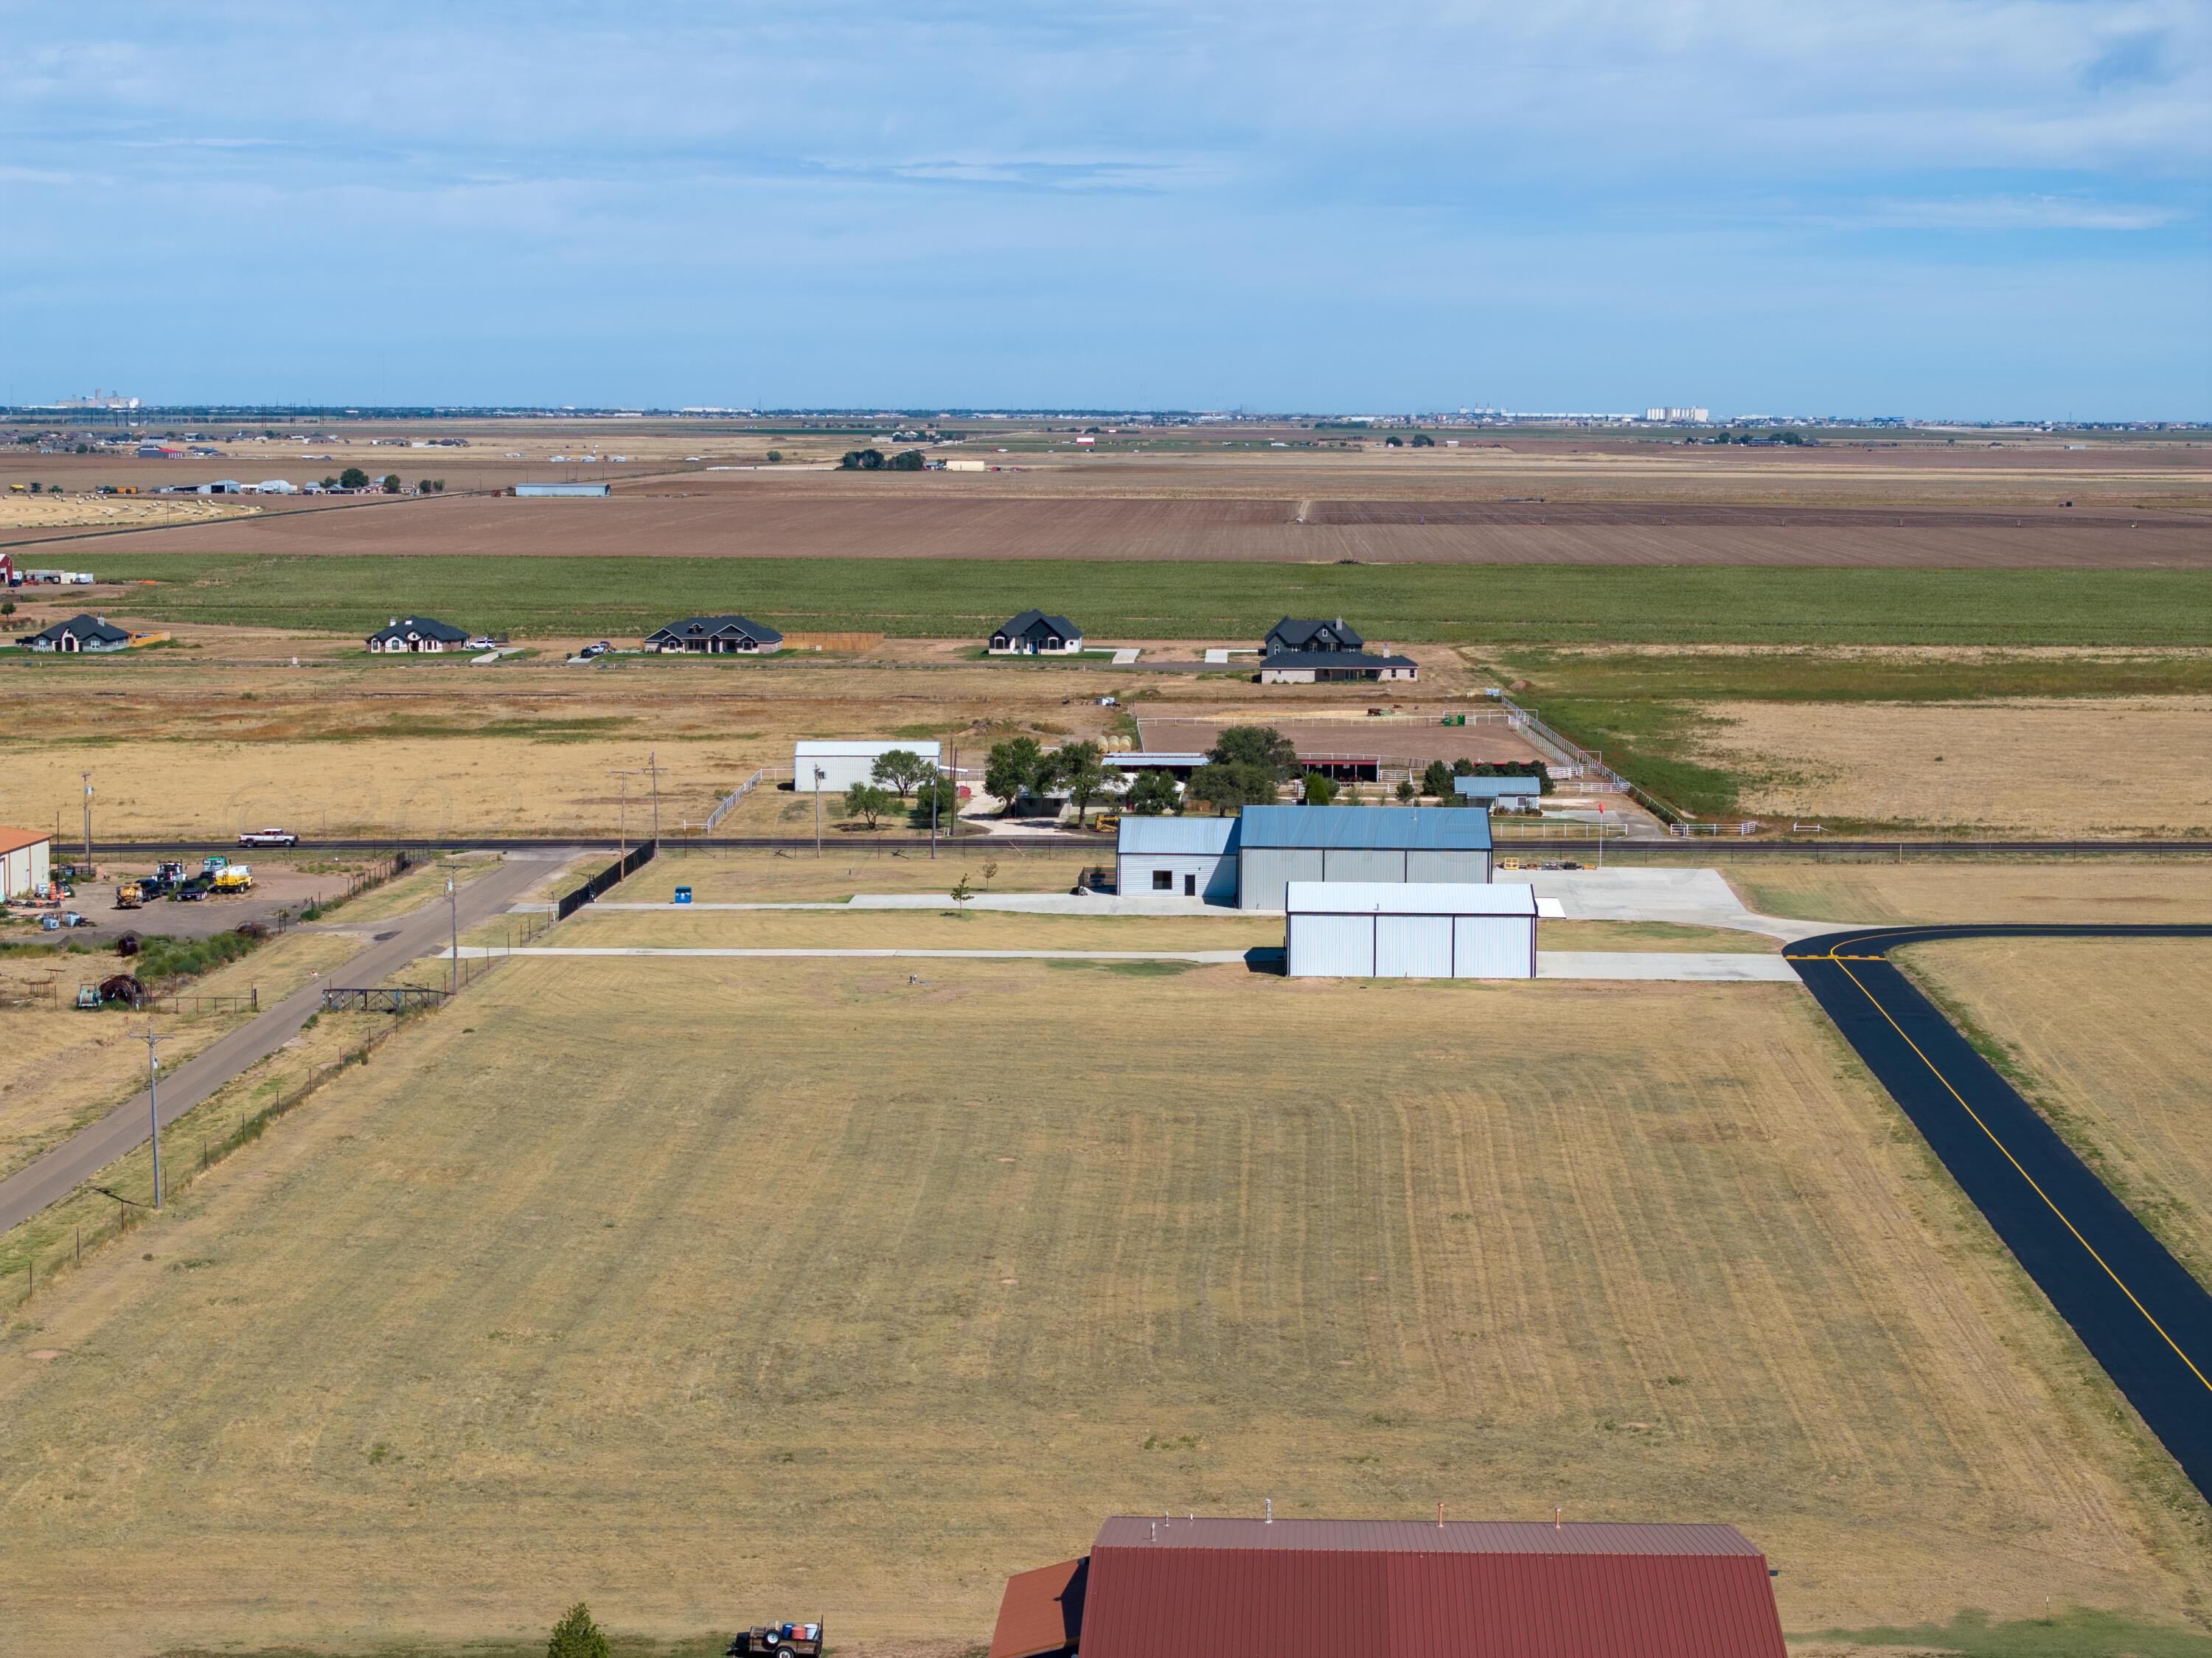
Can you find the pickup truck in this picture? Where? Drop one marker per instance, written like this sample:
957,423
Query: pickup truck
269,837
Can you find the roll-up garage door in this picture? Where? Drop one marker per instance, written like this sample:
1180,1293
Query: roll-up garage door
1413,947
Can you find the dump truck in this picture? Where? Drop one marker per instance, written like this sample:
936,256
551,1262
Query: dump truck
778,1641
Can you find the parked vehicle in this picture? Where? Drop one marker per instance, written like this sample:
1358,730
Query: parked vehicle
130,895
599,650
237,878
778,1641
1107,822
269,837
213,864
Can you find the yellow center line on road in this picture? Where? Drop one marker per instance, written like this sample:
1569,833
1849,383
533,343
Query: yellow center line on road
1839,960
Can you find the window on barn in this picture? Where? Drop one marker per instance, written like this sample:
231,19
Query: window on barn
1164,880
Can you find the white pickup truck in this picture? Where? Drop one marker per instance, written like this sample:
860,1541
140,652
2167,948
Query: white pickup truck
269,837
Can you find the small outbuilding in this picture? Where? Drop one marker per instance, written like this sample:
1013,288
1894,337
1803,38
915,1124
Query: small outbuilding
1397,1588
716,635
1177,857
527,490
418,633
1278,845
82,634
831,768
1490,788
1033,633
1430,929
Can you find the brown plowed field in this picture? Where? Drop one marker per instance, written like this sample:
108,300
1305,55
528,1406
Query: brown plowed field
835,524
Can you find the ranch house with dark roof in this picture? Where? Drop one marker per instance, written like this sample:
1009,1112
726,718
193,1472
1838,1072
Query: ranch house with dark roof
714,636
418,633
1033,633
1290,635
81,633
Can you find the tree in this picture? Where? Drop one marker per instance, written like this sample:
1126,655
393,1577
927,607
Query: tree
866,801
961,894
439,485
1437,779
1394,442
907,460
1151,794
577,1636
1079,768
1462,767
329,483
1423,440
424,487
901,768
1256,744
1232,785
1013,770
353,478
391,483
857,461
774,455
936,786
1319,790
1406,792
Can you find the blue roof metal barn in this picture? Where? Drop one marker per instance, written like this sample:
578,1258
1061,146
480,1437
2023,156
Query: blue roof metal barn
1178,837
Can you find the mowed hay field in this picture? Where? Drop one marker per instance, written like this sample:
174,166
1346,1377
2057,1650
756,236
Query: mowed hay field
1960,889
732,1287
2108,1037
2056,767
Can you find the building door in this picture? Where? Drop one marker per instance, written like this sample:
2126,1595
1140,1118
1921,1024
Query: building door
1190,885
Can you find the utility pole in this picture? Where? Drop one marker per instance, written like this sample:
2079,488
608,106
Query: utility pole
625,777
87,776
154,1103
817,811
652,765
453,921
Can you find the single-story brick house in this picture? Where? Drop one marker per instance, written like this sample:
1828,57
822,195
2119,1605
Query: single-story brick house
714,636
418,633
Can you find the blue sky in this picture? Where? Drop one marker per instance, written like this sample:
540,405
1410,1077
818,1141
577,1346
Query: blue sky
1932,207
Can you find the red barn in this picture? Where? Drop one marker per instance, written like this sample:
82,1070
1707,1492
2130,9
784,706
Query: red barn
1390,1589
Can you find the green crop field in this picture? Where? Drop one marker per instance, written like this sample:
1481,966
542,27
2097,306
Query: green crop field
956,598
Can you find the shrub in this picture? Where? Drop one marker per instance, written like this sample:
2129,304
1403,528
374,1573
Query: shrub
577,1636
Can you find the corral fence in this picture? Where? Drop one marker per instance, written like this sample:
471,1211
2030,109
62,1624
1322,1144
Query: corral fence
1684,828
378,998
620,870
188,1002
724,806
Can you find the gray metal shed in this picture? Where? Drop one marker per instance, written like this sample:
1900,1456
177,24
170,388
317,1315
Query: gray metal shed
1278,845
1372,930
1177,857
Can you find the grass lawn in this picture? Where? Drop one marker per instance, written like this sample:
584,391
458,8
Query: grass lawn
534,597
742,1286
1968,889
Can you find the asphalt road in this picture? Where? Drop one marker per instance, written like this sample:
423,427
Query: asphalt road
2137,1309
59,1171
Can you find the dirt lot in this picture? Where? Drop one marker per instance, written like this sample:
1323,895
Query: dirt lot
1974,889
827,516
277,887
2108,1037
894,1316
2085,766
1396,742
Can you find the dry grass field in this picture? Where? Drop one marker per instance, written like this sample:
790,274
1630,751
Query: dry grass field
803,1290
60,1066
2108,1037
1958,890
19,512
2085,766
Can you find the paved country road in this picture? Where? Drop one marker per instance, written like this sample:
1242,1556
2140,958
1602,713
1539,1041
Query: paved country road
59,1171
2139,1312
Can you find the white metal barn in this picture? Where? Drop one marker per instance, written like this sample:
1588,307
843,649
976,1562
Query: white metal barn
25,862
1419,929
1177,857
841,765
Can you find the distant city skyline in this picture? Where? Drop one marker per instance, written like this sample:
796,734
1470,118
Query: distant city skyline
1948,209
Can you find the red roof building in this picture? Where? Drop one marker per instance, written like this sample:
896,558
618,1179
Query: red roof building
1387,1589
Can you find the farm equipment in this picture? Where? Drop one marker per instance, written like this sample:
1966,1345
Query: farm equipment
88,996
235,878
778,1641
130,895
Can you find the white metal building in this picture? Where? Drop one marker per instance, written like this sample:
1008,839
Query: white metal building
1280,845
1429,929
25,862
834,767
1177,857
528,489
